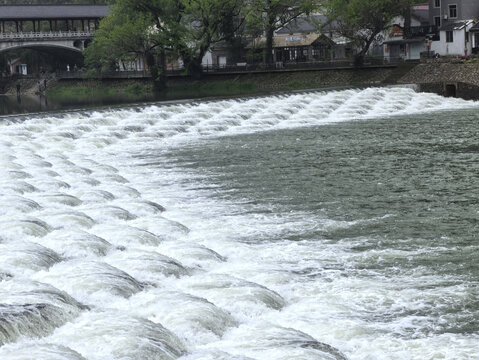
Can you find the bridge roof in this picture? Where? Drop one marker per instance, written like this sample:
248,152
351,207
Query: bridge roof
45,12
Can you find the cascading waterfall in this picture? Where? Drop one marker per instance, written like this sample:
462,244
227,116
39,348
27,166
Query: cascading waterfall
106,255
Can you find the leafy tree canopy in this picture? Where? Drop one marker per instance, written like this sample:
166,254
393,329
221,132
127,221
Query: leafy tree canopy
154,27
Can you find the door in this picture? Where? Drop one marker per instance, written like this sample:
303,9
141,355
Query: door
394,51
222,61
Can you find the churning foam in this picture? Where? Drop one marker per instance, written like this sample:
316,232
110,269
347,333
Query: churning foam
104,258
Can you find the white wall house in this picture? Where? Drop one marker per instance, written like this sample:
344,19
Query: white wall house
455,39
407,43
397,46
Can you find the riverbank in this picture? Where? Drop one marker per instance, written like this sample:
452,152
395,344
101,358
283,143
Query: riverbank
180,87
217,85
436,77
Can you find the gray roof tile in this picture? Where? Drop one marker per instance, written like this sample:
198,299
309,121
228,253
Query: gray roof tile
45,12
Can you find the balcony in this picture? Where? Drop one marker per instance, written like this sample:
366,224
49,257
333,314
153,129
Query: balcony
429,31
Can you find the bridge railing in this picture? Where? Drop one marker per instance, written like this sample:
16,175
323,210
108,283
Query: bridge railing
20,36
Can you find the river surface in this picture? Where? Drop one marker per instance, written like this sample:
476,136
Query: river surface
324,225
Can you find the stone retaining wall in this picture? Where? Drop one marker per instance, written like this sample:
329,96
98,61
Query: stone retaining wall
436,72
436,76
310,79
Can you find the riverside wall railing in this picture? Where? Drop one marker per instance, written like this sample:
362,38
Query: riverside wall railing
238,68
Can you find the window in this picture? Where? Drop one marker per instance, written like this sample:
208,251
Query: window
437,21
437,3
449,37
453,11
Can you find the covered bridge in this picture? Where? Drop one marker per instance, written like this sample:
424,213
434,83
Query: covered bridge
58,32
38,18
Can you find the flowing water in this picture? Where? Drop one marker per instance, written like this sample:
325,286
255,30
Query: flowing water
323,225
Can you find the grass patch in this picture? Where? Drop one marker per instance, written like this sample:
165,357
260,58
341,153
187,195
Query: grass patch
99,95
138,89
217,88
80,92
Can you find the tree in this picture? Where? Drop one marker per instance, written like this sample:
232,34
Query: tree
152,27
362,21
202,24
267,16
124,37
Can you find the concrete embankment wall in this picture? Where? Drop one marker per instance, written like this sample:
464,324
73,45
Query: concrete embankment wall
446,78
302,79
434,77
263,81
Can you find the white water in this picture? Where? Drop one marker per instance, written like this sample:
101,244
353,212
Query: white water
103,258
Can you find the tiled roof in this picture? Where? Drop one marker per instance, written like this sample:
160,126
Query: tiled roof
475,28
286,41
306,25
455,25
45,12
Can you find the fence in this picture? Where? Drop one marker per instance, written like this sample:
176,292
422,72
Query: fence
22,36
238,68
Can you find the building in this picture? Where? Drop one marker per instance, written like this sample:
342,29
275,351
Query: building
456,20
17,66
409,42
474,34
310,39
454,39
444,12
304,39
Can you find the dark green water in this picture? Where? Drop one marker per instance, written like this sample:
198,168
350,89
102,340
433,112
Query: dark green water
400,195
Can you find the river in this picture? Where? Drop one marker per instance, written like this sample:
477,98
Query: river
318,225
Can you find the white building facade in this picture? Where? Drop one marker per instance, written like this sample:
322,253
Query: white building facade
455,39
455,19
408,43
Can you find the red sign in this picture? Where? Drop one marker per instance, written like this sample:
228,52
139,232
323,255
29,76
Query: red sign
397,31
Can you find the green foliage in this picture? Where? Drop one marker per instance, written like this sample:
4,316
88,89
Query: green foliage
216,88
121,37
142,92
96,92
137,89
80,92
153,28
